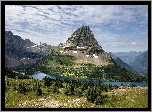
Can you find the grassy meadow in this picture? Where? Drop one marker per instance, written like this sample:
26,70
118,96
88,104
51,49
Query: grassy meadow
126,97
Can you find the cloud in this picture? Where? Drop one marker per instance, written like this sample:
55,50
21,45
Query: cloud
112,25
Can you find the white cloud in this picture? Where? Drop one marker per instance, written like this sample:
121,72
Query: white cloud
133,43
54,24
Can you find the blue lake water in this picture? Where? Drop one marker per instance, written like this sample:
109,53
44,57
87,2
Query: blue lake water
41,75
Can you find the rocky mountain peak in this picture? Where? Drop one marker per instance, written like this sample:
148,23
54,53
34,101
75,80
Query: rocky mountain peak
83,40
84,46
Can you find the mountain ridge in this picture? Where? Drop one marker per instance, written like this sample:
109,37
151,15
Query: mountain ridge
140,63
17,53
127,57
121,63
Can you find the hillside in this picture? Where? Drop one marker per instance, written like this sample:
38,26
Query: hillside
22,53
66,65
119,62
140,63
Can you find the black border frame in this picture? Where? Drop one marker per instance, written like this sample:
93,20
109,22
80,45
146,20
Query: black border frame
3,3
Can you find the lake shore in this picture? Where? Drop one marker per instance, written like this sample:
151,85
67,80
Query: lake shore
41,75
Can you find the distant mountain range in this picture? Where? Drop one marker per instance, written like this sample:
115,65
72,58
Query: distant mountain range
127,57
140,63
119,62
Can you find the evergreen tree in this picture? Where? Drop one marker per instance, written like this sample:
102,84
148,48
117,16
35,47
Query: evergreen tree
47,81
55,88
22,88
38,91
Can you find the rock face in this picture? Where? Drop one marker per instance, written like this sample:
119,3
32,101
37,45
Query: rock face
83,39
84,46
17,51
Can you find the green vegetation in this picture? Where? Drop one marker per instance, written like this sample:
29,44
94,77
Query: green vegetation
64,65
23,92
51,93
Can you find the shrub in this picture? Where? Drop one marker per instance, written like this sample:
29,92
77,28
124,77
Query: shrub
69,89
22,88
99,100
78,92
55,88
133,85
47,81
39,91
91,95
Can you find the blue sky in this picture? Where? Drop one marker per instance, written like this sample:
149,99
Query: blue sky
117,28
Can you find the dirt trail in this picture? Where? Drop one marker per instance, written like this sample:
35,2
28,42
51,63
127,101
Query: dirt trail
125,89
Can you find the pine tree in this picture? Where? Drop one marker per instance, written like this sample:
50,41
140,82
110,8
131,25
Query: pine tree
22,88
55,88
38,91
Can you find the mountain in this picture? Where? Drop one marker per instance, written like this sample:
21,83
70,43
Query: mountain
80,57
17,53
140,63
119,62
85,47
127,57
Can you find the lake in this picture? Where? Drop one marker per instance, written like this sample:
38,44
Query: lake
41,75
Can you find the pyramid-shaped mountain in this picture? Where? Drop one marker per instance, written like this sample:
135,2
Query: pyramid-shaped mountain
85,47
83,39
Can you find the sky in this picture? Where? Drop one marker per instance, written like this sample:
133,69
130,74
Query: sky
117,28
